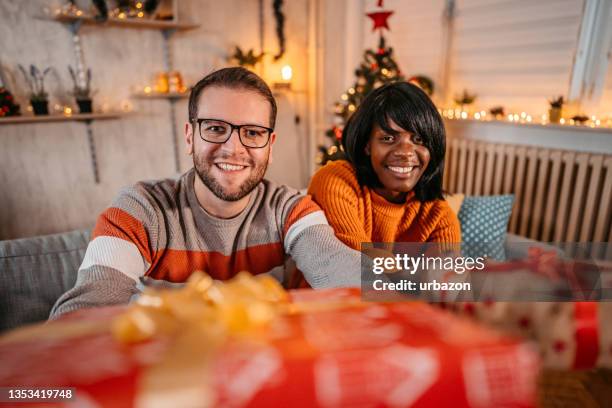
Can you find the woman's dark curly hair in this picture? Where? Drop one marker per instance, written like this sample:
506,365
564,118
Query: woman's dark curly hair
412,110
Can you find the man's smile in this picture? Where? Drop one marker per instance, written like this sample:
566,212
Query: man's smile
230,167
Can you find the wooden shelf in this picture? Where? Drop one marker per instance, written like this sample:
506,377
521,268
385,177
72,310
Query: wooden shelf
76,117
160,95
129,22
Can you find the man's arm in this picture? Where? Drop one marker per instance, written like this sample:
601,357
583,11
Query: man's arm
119,254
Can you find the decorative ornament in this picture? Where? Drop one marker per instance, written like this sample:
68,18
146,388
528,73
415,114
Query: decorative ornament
337,132
102,9
497,111
580,119
132,8
177,85
280,28
162,82
423,82
378,67
379,20
8,107
557,103
248,59
465,99
556,109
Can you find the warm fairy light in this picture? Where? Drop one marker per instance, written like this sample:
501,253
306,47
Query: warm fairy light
510,117
67,111
562,121
344,97
147,89
139,5
477,116
523,115
286,73
351,108
384,71
597,122
529,118
79,13
121,15
140,14
464,115
516,117
351,91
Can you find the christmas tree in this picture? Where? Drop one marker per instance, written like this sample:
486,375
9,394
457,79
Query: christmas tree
377,68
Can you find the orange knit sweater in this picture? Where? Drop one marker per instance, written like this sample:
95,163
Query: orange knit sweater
358,214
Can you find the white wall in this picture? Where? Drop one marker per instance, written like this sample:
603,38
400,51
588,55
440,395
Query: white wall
45,173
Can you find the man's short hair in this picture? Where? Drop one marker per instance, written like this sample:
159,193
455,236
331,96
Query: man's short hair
235,78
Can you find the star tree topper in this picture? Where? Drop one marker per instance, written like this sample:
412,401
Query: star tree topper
379,18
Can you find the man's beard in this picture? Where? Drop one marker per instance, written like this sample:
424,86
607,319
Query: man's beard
203,171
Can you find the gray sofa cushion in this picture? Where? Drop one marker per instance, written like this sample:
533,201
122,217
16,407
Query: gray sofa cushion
35,272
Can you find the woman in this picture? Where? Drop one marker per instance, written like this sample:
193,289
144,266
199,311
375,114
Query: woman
390,188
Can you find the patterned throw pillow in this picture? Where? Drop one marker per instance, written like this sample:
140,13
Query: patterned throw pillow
484,222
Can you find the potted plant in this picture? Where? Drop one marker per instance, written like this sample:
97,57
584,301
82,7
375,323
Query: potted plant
465,99
39,99
82,90
498,112
556,109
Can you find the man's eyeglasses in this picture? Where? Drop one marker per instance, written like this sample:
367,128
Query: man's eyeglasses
219,131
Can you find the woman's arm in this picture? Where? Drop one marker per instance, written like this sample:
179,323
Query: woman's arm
335,188
447,227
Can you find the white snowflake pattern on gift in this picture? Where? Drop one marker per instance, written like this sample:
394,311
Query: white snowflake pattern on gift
352,378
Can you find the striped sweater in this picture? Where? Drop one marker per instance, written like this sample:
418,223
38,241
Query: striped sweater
159,230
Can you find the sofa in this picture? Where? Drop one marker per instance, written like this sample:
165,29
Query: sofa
35,272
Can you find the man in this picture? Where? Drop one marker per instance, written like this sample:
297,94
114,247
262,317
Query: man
221,216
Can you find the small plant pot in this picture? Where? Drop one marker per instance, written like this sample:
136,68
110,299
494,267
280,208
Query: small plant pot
40,107
554,115
85,105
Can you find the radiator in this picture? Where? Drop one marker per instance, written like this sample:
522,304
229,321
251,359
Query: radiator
560,195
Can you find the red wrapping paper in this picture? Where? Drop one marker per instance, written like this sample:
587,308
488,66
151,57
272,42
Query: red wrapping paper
337,351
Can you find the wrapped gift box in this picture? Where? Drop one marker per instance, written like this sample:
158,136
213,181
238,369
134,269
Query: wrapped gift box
332,350
570,335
